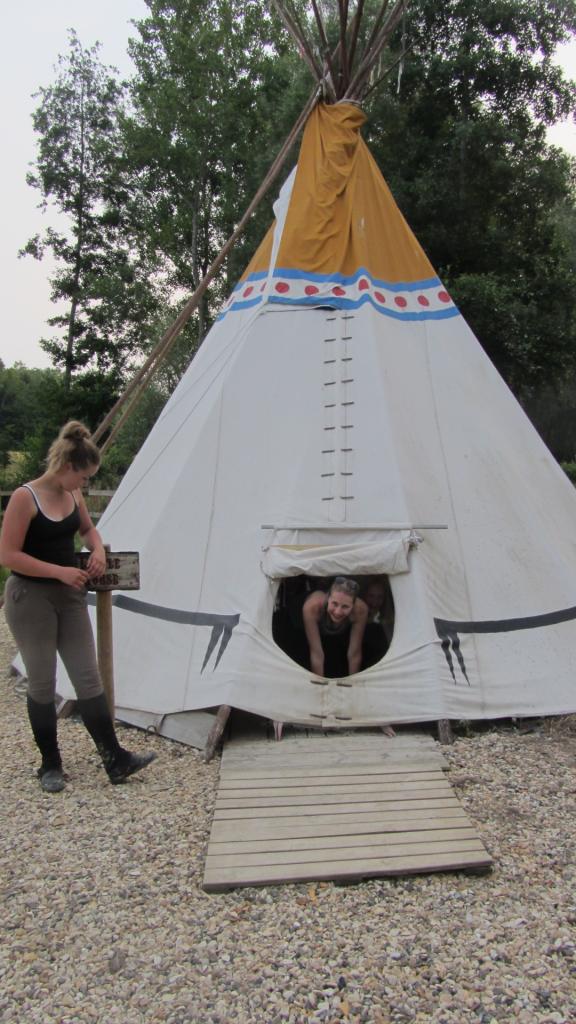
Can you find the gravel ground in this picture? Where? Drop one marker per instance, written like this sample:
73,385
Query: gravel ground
105,920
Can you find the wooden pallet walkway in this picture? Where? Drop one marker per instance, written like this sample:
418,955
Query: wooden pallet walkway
321,807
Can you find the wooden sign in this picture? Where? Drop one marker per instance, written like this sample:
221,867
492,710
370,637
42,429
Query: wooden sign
122,571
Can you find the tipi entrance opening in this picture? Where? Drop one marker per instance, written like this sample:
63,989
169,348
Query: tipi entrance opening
288,627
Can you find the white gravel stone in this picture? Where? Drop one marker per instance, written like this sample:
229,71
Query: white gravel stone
105,920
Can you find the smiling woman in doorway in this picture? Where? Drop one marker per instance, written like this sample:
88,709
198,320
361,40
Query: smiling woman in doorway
334,624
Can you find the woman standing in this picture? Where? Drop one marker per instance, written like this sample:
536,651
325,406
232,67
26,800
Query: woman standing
45,602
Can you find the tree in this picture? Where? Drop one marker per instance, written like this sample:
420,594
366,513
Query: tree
79,173
463,148
30,414
211,79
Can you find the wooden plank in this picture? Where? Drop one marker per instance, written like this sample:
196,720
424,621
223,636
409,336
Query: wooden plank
335,760
271,748
282,751
368,852
277,751
327,771
224,878
357,840
355,755
336,791
305,828
356,799
357,738
340,779
317,810
244,744
333,817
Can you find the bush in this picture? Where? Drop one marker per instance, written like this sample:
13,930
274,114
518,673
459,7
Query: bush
570,470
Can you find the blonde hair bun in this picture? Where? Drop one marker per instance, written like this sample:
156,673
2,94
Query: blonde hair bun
73,445
74,431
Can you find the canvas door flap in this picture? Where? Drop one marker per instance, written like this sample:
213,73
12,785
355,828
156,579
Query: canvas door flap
386,556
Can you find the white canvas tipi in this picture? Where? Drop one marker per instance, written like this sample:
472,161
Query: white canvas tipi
340,417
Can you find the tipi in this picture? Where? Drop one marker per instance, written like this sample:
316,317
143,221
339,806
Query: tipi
341,417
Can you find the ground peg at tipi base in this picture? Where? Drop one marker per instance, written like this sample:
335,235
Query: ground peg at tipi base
217,731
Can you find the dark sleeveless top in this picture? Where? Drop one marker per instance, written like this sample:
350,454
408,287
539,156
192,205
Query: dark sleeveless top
335,642
50,540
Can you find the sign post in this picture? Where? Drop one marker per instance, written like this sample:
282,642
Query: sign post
122,573
105,645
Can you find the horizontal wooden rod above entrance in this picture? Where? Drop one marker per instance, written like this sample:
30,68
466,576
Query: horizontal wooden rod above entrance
353,526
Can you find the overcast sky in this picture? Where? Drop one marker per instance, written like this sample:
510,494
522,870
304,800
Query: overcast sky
37,32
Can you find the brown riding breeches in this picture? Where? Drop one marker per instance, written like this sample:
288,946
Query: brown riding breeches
46,619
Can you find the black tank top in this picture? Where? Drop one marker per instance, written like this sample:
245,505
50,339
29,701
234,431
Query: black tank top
50,540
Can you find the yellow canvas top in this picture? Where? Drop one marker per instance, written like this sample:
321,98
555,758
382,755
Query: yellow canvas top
342,215
344,240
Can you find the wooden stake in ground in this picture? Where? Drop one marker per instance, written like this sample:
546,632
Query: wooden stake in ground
217,731
122,573
105,644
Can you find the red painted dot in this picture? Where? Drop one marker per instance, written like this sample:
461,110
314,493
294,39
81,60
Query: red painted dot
423,300
338,290
363,284
311,289
247,291
282,287
443,296
379,296
400,301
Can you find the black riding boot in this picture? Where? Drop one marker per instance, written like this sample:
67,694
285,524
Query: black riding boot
44,727
119,763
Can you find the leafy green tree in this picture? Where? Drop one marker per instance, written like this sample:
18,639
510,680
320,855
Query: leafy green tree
31,409
79,173
210,102
463,147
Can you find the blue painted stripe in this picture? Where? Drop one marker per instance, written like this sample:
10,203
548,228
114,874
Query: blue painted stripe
338,303
258,275
394,286
247,304
333,302
301,275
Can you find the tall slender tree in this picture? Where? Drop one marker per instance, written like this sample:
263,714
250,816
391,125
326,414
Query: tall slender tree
101,287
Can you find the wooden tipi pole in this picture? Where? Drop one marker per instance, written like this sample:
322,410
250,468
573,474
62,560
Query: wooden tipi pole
371,55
